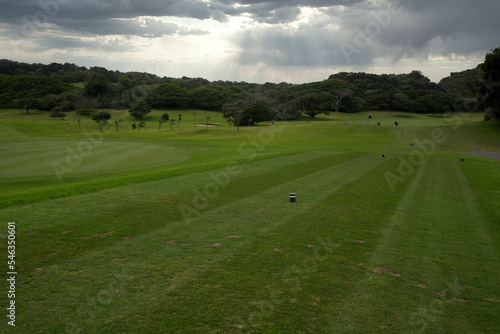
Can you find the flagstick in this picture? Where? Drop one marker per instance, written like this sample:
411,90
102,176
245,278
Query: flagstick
67,135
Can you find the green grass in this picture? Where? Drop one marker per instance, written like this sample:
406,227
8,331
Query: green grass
192,231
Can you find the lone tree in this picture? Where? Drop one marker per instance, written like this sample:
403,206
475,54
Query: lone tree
101,118
139,109
162,120
57,113
116,123
258,112
179,121
313,102
134,127
27,103
234,112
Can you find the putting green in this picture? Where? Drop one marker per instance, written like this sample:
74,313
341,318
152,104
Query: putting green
85,156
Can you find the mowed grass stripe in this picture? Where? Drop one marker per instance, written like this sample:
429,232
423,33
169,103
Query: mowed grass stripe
150,250
430,252
93,183
9,134
292,278
261,283
146,206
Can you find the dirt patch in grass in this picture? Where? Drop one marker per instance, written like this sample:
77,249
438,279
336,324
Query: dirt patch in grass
127,237
380,270
216,244
440,293
65,231
311,246
103,235
209,125
460,300
423,286
277,249
495,300
30,233
232,236
491,155
170,241
358,241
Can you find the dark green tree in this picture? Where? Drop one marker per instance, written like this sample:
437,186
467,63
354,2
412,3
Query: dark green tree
28,103
139,109
125,83
101,118
57,113
168,95
258,112
210,98
313,102
490,86
96,85
234,112
85,112
164,118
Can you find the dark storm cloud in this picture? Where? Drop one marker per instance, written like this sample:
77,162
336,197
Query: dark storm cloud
453,22
78,15
280,11
111,17
144,27
358,34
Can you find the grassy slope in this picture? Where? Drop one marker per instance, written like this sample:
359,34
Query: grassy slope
350,256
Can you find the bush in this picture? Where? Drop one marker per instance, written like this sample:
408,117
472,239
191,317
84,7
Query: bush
491,114
258,113
85,112
57,113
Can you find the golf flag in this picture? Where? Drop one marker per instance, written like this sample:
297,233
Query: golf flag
67,134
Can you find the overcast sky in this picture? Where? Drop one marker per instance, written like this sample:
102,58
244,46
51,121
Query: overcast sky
252,40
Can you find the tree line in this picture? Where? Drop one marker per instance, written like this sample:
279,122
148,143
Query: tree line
66,87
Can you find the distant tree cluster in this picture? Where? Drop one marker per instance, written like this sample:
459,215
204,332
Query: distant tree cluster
19,90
